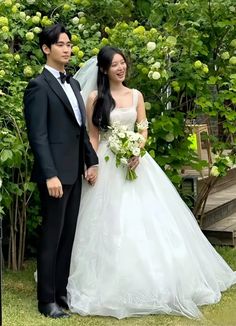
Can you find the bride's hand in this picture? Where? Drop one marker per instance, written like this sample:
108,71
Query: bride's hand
133,162
91,174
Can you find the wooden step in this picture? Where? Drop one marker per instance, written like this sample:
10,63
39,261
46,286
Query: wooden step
220,237
218,213
222,232
219,221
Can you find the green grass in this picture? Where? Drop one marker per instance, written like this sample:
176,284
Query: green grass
20,305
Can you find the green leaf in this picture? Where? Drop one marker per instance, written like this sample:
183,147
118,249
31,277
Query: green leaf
152,153
6,154
29,186
212,80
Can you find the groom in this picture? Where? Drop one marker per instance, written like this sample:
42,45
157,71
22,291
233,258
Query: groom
55,119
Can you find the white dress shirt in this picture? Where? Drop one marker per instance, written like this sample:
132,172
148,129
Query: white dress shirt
69,92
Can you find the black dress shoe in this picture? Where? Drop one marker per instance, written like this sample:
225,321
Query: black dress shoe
51,310
62,302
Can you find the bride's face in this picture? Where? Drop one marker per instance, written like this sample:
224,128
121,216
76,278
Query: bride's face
117,70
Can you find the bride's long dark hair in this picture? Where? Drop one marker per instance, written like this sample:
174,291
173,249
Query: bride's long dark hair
104,102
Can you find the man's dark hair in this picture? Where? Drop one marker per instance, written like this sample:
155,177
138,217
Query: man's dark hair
50,35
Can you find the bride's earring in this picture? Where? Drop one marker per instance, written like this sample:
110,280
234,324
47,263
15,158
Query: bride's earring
102,71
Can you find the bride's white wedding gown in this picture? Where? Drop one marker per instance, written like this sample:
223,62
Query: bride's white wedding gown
138,249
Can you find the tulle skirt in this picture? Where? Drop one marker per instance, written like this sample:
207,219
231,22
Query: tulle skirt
139,250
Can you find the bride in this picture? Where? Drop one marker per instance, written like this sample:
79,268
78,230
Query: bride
138,249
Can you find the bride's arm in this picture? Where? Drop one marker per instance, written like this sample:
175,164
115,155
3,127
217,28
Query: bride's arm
142,125
92,130
141,118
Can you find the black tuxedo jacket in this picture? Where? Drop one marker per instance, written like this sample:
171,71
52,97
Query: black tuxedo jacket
60,146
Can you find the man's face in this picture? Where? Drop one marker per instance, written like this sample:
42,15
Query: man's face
60,52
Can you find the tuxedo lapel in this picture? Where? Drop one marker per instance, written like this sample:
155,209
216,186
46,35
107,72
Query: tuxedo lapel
74,86
58,90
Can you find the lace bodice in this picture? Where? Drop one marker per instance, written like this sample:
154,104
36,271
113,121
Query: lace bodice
126,116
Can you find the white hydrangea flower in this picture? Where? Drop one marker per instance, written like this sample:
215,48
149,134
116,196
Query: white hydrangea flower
147,106
151,46
215,171
81,27
75,20
156,65
81,14
150,74
156,75
151,60
229,162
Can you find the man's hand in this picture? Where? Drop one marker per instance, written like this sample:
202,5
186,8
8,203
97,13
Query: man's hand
54,187
91,174
133,162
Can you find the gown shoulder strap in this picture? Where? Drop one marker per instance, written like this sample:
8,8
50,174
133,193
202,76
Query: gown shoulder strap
135,97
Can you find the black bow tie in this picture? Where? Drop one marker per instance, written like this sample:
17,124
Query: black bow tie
64,77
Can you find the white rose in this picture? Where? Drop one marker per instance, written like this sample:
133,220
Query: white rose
131,147
214,171
129,133
134,137
156,75
115,147
0,182
136,151
124,161
141,139
151,46
121,134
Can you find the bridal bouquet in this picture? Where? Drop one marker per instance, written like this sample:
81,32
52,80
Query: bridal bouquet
125,144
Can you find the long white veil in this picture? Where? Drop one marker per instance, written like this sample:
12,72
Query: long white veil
87,77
